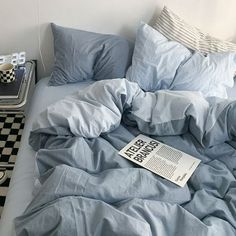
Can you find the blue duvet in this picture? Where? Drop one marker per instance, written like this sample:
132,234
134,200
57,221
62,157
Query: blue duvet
86,188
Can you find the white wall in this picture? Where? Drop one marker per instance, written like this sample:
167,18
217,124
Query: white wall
20,32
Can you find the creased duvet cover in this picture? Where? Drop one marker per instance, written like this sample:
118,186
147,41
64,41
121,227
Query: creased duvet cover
86,188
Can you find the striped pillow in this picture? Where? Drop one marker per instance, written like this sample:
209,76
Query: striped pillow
176,29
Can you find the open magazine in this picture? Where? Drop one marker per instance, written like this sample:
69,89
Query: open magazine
168,162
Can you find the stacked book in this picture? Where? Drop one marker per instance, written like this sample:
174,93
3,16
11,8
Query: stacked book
10,92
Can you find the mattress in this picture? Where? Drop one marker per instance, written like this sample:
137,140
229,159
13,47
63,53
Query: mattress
22,182
23,178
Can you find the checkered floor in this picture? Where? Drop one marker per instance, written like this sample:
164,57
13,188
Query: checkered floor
11,127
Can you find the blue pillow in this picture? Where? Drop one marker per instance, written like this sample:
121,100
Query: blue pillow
159,63
155,59
211,74
82,55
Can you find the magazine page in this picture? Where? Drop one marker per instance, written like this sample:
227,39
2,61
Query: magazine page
168,162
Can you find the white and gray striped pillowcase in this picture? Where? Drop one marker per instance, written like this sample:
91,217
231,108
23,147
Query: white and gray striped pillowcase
176,29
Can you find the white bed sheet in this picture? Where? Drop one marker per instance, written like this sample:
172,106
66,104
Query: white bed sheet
23,177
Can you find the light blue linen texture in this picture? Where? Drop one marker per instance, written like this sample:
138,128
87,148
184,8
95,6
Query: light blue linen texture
155,59
159,63
82,55
211,74
86,188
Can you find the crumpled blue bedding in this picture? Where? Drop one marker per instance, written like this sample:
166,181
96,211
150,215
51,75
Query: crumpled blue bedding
88,189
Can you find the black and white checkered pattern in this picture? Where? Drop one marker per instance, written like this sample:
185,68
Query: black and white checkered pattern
11,127
7,76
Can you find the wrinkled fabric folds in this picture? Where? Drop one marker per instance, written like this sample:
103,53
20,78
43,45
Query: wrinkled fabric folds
86,188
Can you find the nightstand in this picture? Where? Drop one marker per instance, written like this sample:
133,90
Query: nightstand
12,118
19,105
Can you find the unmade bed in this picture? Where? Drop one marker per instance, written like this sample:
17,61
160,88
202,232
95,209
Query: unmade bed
24,176
69,178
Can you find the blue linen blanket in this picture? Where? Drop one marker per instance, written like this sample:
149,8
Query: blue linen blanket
88,189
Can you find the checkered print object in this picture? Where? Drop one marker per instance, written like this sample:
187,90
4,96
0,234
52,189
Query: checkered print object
7,76
11,127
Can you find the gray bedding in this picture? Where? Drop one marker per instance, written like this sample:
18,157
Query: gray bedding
86,188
